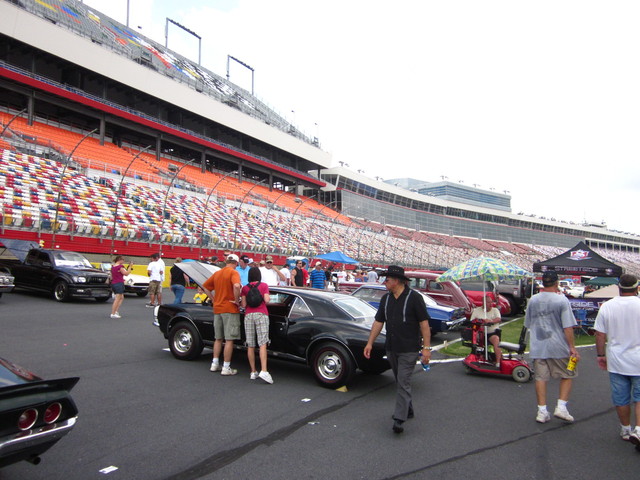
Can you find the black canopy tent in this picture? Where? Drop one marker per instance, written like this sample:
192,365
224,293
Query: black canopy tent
579,260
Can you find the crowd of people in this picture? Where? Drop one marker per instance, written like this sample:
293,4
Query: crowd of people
242,283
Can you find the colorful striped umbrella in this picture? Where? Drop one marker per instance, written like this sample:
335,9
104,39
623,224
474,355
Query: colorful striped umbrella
484,268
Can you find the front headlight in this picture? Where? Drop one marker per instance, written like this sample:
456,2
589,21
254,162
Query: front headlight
129,281
80,279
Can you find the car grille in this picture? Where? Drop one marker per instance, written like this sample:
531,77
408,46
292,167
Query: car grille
97,279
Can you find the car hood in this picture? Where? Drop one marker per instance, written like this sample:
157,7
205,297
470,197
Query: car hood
199,272
19,248
137,278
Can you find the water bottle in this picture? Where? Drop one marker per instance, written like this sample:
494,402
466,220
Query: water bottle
425,366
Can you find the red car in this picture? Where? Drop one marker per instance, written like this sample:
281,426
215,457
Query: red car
474,290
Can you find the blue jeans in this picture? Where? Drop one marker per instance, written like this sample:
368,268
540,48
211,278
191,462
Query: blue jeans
178,291
625,389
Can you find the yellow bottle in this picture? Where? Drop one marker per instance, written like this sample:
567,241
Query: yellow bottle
571,366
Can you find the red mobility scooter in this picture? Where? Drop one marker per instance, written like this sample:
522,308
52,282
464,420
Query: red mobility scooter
480,360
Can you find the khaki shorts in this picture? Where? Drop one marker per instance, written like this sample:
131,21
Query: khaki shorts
547,368
226,326
155,287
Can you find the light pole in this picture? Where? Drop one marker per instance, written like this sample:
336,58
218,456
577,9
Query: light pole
293,218
164,204
235,230
11,121
61,180
119,193
229,58
266,218
314,222
166,36
204,211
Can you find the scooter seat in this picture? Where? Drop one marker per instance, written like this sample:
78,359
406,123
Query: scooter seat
513,347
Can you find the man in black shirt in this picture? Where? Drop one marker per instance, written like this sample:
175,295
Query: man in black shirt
407,326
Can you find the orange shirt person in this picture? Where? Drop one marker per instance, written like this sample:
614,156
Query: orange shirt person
224,287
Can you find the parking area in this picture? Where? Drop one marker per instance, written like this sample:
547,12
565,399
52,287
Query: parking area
145,415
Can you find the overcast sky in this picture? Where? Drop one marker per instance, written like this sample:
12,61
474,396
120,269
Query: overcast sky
541,99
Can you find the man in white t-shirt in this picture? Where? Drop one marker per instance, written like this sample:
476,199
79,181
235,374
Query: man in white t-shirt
618,328
372,276
270,274
155,271
287,276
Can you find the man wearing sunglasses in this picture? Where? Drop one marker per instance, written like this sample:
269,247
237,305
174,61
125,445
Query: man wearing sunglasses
271,275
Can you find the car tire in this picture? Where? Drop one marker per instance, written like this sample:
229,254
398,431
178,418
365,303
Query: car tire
185,342
332,365
514,306
142,294
61,291
521,374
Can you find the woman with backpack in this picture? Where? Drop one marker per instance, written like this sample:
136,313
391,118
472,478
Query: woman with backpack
254,297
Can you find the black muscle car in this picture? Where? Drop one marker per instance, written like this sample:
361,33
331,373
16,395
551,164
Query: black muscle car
34,413
326,330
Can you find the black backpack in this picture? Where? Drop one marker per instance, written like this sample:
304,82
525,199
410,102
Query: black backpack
254,297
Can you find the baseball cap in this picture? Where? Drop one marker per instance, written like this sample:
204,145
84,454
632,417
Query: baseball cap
268,259
233,258
549,278
318,263
628,282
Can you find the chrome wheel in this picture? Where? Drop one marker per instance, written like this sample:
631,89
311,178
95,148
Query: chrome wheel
332,365
183,341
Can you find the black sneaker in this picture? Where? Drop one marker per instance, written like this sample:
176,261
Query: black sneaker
397,426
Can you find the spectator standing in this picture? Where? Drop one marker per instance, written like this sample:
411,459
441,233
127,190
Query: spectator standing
618,329
305,273
243,269
404,314
179,282
118,272
256,325
317,277
297,275
223,287
287,276
155,271
550,320
372,276
270,275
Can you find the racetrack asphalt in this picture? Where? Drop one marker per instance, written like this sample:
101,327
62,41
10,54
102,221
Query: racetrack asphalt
150,416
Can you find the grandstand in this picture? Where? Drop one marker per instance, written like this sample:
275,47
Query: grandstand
111,142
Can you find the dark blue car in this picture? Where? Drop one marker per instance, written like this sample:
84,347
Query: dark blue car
442,318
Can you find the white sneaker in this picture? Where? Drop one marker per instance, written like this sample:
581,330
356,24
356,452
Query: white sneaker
266,376
228,371
254,375
115,315
563,414
543,417
625,433
215,367
634,437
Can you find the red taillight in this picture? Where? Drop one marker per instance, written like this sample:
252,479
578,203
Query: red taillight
52,413
27,419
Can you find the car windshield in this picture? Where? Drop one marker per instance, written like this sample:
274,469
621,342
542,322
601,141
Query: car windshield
367,294
71,259
355,307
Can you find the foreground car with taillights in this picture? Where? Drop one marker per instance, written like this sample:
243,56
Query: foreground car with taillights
34,413
326,330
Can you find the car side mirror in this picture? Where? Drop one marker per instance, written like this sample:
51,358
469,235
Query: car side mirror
46,264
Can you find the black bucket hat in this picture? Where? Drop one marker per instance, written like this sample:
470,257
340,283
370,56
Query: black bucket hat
394,271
